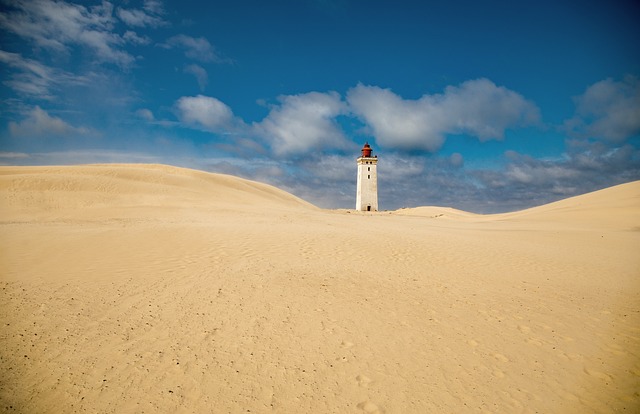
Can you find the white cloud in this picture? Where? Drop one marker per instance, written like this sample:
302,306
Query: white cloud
609,110
586,166
481,108
56,25
135,39
200,73
304,122
396,122
398,168
330,167
206,112
35,79
39,123
98,156
32,77
476,107
197,48
140,18
154,7
456,159
13,155
145,114
537,172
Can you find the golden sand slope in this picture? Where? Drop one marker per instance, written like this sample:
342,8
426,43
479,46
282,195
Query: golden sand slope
157,289
140,191
614,207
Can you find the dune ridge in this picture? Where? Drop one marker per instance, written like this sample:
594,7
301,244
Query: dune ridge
144,288
615,206
48,191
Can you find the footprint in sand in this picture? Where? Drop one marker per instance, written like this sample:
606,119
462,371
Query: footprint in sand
546,327
498,374
363,380
369,407
598,374
501,357
569,396
472,342
534,341
346,344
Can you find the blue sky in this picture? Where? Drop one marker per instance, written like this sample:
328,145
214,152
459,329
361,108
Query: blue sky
486,106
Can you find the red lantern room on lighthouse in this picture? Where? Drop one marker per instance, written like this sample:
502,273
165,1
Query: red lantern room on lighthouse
366,150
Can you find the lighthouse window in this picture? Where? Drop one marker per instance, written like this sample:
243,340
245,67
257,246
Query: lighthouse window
368,176
368,168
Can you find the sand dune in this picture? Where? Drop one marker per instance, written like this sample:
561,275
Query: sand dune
438,212
131,288
618,206
109,191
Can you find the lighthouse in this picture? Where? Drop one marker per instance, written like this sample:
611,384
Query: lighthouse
367,187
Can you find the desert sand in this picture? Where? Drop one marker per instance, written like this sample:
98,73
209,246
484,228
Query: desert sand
148,289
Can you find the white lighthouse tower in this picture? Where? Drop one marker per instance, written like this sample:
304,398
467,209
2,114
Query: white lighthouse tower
367,188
